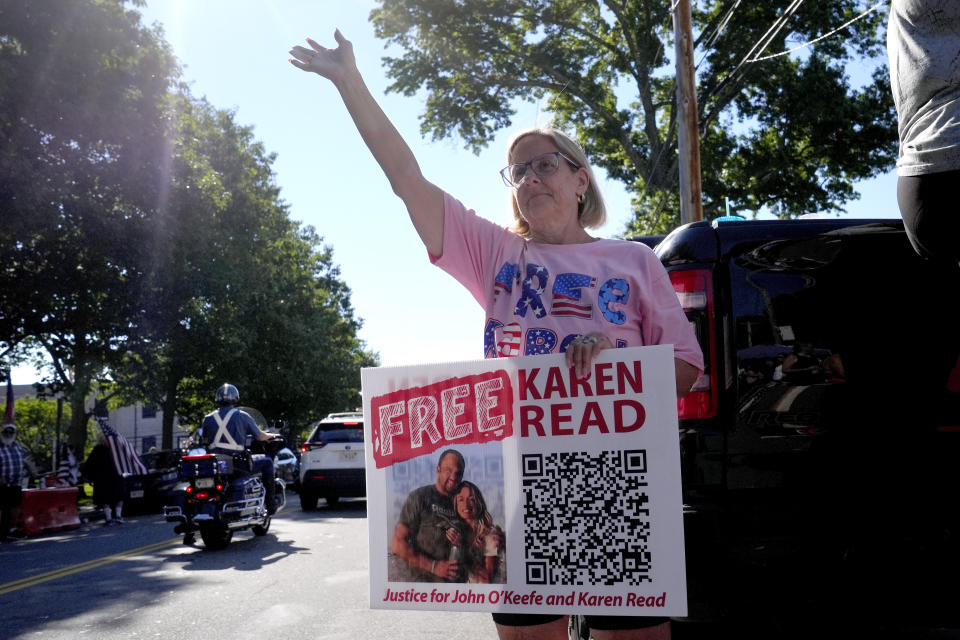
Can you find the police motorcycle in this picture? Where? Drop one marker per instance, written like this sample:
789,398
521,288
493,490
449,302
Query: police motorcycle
219,493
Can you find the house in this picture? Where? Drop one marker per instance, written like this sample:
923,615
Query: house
141,424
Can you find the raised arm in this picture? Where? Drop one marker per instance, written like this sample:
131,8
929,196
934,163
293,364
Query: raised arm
424,200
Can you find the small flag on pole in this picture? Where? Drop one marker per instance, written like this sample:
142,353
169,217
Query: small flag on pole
10,400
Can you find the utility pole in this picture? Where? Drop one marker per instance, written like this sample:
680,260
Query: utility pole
691,202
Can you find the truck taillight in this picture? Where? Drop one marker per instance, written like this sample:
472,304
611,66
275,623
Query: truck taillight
307,446
694,289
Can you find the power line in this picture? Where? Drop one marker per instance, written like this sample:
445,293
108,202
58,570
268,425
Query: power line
712,38
823,37
760,45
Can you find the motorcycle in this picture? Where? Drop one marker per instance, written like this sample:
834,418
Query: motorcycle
219,494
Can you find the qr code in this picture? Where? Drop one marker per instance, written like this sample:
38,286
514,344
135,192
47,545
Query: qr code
586,518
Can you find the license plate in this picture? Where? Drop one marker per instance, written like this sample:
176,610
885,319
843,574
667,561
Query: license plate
204,483
136,493
349,455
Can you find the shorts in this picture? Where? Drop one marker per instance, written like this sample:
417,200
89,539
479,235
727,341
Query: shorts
604,623
927,205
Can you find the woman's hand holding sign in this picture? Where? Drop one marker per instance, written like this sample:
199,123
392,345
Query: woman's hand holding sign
583,351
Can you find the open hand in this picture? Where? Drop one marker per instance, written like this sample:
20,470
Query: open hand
329,63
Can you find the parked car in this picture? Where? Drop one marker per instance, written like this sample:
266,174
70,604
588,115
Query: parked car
819,448
332,461
152,491
288,467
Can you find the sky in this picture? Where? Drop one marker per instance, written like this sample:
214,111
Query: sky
235,53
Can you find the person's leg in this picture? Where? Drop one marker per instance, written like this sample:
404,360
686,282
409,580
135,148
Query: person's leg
264,465
628,628
7,518
530,627
13,502
659,632
118,512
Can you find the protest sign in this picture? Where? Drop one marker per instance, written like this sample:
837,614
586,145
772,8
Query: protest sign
570,499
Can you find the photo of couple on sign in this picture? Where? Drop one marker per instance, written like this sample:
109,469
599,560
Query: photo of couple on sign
446,531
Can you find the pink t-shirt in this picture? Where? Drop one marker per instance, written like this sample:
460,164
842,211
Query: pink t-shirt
538,297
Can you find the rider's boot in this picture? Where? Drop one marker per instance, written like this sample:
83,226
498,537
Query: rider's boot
270,501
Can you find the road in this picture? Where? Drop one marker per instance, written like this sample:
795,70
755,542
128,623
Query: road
307,578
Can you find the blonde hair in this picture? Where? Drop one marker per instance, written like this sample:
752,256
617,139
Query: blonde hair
484,519
591,212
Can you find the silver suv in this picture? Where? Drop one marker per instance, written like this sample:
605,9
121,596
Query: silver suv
332,462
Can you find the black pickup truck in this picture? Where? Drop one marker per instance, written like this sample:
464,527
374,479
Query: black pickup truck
820,450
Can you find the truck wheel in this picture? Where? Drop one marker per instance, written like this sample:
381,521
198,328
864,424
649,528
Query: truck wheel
261,529
216,537
308,501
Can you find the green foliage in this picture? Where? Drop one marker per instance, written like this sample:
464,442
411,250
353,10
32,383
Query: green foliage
236,291
82,137
145,247
37,429
792,133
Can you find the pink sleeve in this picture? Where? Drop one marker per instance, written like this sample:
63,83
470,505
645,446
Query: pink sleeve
664,321
470,245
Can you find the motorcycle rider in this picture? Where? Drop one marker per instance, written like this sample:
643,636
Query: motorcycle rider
226,431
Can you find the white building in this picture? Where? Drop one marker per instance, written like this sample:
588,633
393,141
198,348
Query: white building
141,425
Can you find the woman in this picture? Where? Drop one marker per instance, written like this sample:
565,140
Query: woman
611,292
480,540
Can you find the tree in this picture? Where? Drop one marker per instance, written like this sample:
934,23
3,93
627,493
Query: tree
83,135
792,132
145,247
37,428
236,291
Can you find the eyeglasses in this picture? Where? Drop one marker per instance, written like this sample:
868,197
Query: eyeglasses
543,165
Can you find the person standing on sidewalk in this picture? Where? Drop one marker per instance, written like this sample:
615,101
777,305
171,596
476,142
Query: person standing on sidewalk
13,461
108,486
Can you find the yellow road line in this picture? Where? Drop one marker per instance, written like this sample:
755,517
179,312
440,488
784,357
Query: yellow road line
83,566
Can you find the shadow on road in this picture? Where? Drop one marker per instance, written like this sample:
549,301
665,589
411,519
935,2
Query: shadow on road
355,508
245,553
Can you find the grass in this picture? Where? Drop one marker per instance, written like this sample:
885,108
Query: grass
86,495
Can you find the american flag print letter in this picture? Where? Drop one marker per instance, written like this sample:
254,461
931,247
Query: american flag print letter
509,345
540,342
614,291
567,295
507,275
490,338
534,286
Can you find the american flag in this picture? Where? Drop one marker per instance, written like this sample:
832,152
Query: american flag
567,299
125,458
10,400
68,469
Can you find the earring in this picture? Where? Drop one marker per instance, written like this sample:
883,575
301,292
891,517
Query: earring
580,198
